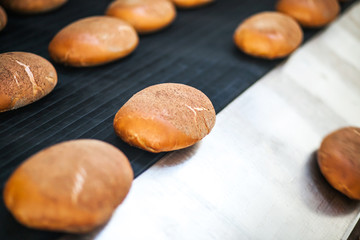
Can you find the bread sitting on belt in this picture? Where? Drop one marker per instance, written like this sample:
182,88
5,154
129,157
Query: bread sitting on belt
310,13
268,35
93,41
191,3
146,16
73,186
165,117
32,6
3,18
25,78
339,160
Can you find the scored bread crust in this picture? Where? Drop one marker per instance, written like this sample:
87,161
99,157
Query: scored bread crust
32,6
73,186
339,160
146,16
268,35
25,78
93,41
165,117
310,13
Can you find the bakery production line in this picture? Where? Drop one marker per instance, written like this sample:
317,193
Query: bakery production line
255,176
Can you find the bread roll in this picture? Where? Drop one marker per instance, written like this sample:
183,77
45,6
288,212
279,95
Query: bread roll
32,6
145,16
3,18
93,41
310,13
165,117
339,160
73,186
268,35
25,78
191,3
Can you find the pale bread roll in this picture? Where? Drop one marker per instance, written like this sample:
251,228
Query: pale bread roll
191,3
73,186
93,41
310,13
339,160
32,6
146,16
165,117
3,18
268,35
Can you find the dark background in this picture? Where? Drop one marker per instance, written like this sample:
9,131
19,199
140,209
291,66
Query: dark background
197,49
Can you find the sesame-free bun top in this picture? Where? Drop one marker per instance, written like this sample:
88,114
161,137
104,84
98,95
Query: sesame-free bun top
191,3
268,35
339,160
32,6
145,16
310,13
72,186
165,117
93,41
25,78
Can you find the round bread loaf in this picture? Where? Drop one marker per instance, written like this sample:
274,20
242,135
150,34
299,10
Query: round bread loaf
268,35
191,3
32,6
25,78
3,18
310,13
145,16
165,117
93,41
339,160
73,186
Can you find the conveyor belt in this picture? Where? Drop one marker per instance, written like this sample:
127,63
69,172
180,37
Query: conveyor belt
197,50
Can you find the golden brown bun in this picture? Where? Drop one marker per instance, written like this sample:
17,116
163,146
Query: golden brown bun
32,6
73,186
145,16
3,18
25,78
268,35
339,160
310,13
165,117
93,41
191,3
